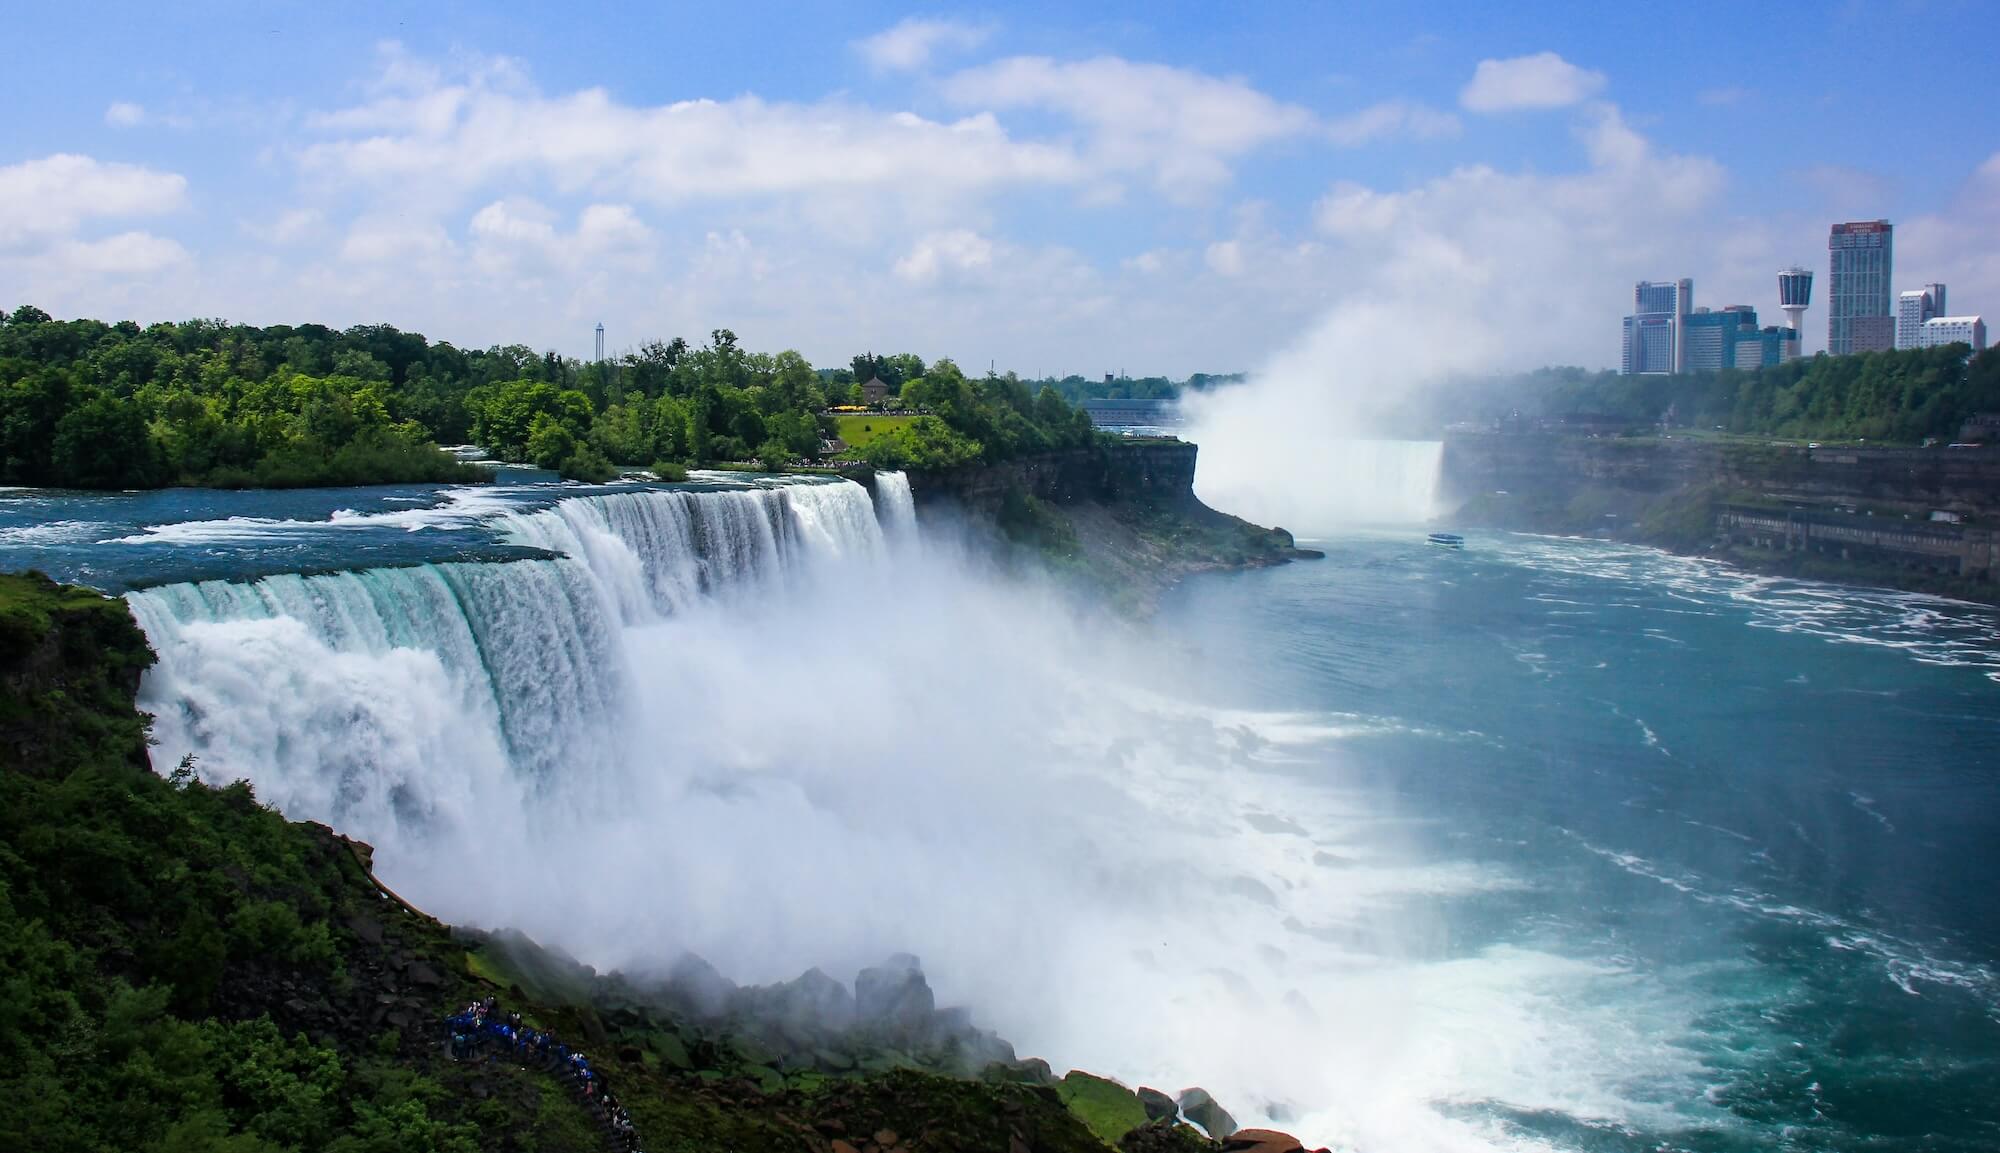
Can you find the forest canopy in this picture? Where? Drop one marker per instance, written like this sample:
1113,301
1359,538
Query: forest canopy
86,404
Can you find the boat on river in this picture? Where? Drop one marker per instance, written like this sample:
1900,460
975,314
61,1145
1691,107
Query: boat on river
1447,540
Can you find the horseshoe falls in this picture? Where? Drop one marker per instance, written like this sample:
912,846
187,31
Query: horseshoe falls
1539,845
1338,483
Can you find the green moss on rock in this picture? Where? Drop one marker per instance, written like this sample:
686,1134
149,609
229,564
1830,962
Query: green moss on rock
1108,1108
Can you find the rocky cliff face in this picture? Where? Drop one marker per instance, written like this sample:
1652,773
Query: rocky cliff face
1855,515
1965,481
1150,471
1122,517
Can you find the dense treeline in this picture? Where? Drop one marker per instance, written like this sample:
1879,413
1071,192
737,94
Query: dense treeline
1904,396
1081,388
92,405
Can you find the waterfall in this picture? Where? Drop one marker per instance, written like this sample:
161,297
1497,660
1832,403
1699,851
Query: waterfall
1384,481
897,507
1340,484
657,552
390,698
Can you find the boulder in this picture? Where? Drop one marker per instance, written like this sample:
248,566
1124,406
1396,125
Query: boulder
1261,1141
894,996
1028,1071
673,1052
1106,1108
1159,1106
1200,1108
813,1001
366,928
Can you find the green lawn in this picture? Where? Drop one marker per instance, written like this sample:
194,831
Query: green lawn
859,429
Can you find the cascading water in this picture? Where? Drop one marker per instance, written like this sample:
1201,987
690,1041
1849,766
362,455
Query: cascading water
430,697
894,502
1340,484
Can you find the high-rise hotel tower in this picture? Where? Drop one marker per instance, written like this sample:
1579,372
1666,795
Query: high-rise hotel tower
1860,312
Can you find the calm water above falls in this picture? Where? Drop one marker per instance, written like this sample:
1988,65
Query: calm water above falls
1542,844
1767,813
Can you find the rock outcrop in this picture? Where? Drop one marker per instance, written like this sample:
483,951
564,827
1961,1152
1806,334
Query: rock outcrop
1202,1109
1159,1106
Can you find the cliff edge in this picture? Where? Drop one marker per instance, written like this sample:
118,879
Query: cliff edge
1120,517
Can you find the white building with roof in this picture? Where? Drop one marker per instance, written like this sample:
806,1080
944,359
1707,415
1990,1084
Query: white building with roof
1953,330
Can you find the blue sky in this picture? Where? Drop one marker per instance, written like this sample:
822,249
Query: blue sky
1153,187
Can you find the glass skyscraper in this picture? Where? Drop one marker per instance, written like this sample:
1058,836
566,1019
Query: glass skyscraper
1860,316
1653,338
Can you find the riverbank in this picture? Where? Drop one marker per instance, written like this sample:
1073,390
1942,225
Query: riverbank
1919,520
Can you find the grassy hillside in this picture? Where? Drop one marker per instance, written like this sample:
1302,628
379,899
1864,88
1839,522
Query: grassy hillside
862,429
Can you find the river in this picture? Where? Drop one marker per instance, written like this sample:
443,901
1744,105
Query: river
1541,844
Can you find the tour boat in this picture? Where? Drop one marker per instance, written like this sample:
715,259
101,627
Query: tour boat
1447,540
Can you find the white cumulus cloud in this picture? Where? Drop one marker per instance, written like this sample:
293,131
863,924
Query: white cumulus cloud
910,45
1391,118
1544,80
1182,126
55,195
956,250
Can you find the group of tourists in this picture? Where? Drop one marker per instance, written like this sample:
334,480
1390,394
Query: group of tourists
481,1030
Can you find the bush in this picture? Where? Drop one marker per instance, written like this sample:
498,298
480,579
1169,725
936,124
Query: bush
774,456
669,470
587,464
924,443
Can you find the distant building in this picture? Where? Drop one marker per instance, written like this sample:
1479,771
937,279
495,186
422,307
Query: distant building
1860,258
599,359
1913,308
874,391
1653,341
1794,296
1953,330
1730,338
1873,333
1981,428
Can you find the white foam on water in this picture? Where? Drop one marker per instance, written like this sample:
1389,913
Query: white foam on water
454,509
1931,630
51,532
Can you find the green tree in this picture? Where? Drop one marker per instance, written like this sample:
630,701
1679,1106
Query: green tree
550,443
104,443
